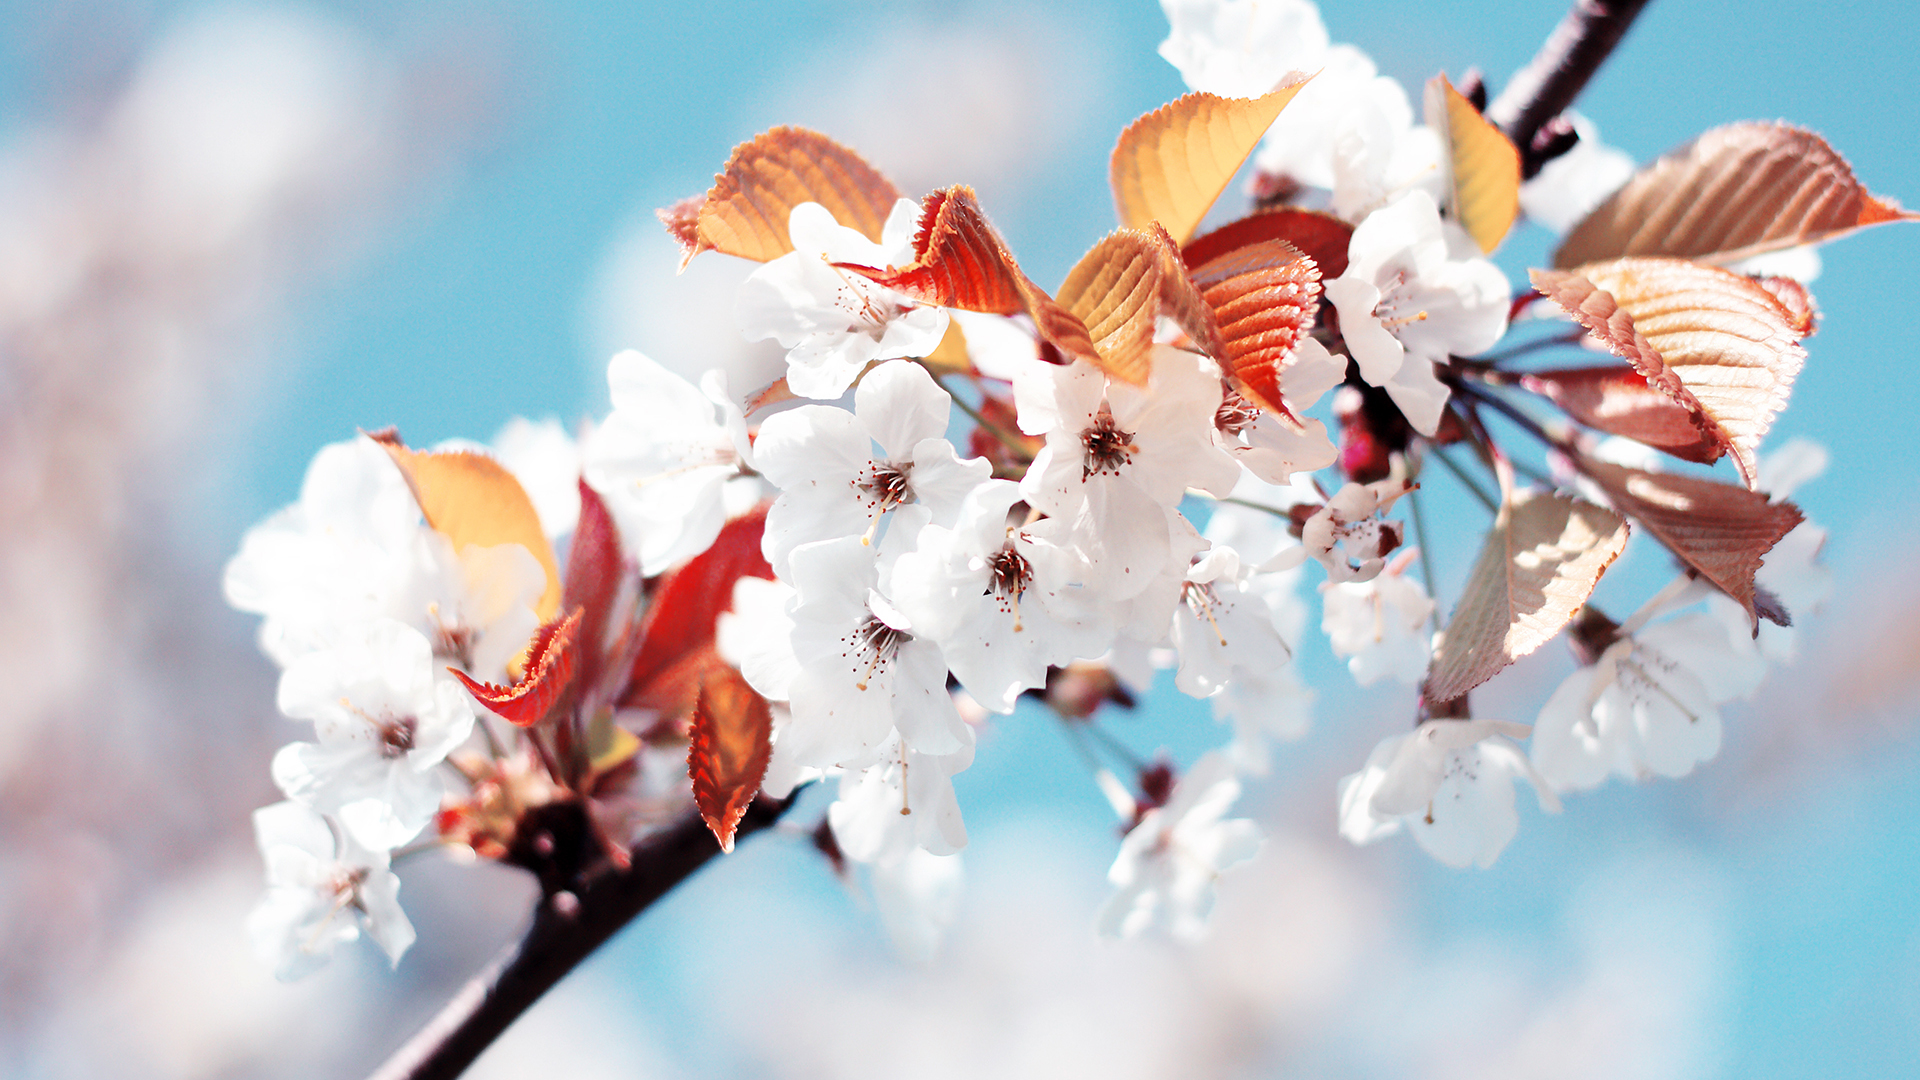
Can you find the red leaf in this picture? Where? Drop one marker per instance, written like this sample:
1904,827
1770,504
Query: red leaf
1264,296
1322,237
595,570
1118,290
745,212
687,604
960,262
550,663
1617,400
727,754
1720,530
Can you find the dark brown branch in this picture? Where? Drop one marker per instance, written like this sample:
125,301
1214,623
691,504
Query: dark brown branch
567,927
1546,87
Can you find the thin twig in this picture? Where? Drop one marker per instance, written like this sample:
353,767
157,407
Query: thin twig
567,928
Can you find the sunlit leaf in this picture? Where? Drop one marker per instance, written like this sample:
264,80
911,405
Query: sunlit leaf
731,740
1120,287
1735,191
550,665
1720,344
1321,237
1264,296
1721,530
1797,301
960,262
470,498
687,602
1617,400
1171,164
1542,558
595,571
1485,190
745,212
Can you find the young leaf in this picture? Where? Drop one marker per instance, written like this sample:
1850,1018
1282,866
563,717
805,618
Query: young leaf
551,660
745,212
1484,190
1617,400
595,571
472,499
732,739
688,601
1718,343
1264,296
960,262
1542,558
1171,164
1735,191
1720,530
1121,286
1321,237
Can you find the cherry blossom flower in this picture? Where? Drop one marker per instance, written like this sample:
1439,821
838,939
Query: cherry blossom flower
901,799
833,322
1272,446
665,459
1449,782
1413,294
321,891
862,670
1380,625
1347,537
1003,602
384,723
1169,860
475,607
1263,702
831,482
1118,458
1241,48
1222,626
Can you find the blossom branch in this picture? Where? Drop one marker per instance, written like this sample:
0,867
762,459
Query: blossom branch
567,928
1555,76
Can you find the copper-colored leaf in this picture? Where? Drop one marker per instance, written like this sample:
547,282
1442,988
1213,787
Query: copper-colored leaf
1735,191
960,262
1485,165
1718,343
551,661
1171,164
1797,301
1120,287
1264,296
472,499
1322,237
1720,530
1617,400
732,739
595,570
1542,558
687,602
745,212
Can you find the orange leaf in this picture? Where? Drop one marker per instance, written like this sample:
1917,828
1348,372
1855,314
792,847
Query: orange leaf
727,756
551,659
1121,286
1719,343
1618,401
1171,164
1264,296
1542,559
1720,530
960,262
745,212
1735,191
1322,237
1484,176
469,498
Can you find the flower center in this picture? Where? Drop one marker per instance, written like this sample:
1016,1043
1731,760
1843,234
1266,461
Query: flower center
885,486
1107,447
396,736
1201,601
877,643
1236,413
1008,575
1392,298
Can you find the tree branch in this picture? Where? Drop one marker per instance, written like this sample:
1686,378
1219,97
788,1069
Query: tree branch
567,928
1557,73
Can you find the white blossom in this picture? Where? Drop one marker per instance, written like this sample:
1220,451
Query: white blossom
321,891
1380,625
1347,536
1241,48
1165,872
1449,783
834,322
901,799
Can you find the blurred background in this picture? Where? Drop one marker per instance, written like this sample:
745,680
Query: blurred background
230,233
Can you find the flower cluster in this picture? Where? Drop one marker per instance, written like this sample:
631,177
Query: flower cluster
967,492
